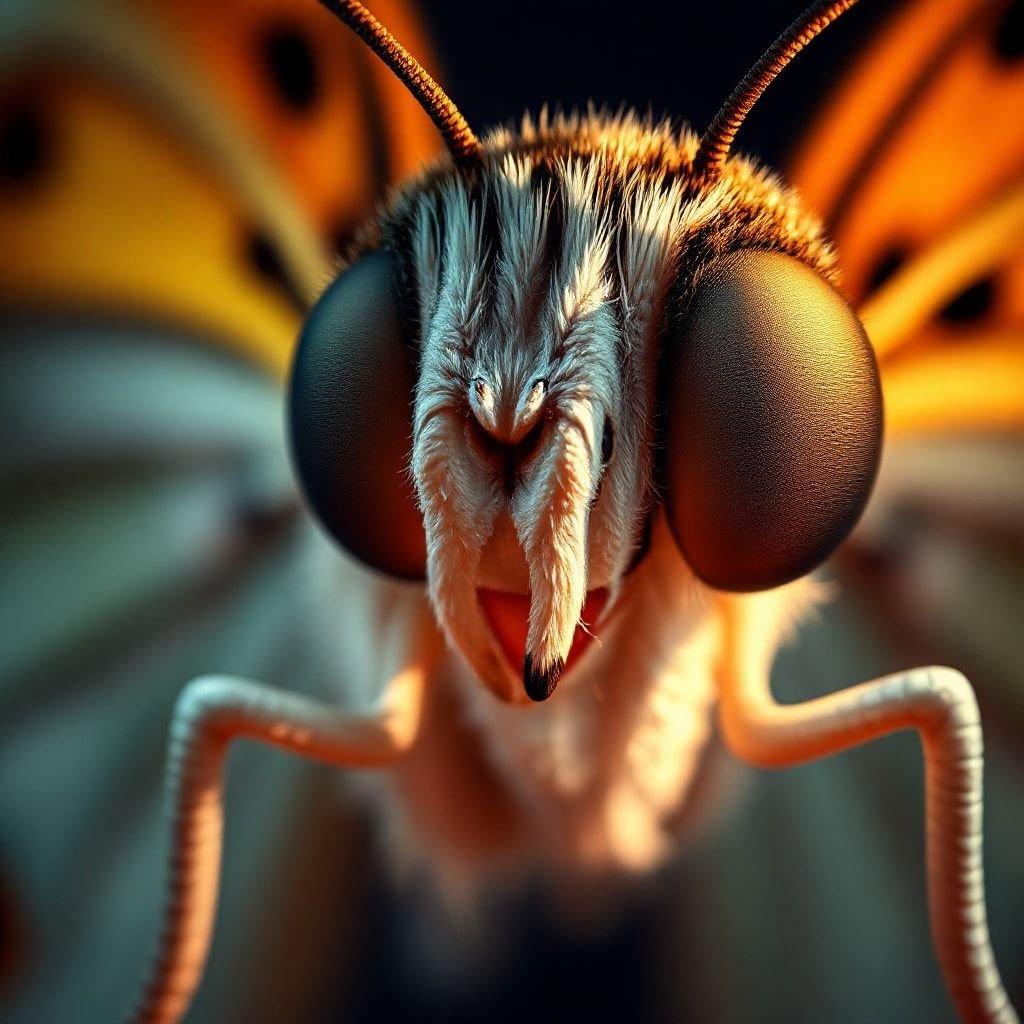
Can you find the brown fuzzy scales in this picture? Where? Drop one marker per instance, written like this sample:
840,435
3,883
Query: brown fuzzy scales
754,209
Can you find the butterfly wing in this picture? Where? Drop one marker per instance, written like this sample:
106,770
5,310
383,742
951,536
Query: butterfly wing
164,223
917,164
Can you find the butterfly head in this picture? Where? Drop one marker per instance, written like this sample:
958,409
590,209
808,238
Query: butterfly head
542,352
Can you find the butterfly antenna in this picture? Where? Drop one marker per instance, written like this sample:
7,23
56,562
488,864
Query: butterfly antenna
463,145
716,142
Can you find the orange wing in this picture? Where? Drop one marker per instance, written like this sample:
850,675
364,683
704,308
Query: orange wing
192,164
175,176
312,92
917,165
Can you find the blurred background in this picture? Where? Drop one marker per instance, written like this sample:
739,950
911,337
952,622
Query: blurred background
176,179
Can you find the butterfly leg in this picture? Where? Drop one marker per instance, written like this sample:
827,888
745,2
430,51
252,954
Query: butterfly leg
210,713
940,705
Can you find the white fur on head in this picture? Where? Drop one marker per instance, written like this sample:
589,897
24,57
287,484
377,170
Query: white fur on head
528,334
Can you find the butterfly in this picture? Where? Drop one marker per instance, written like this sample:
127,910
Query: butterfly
885,369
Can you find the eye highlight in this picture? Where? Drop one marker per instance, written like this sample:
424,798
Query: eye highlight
774,423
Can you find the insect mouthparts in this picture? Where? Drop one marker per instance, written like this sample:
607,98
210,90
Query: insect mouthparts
540,685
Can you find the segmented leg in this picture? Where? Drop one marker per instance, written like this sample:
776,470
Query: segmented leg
940,705
210,713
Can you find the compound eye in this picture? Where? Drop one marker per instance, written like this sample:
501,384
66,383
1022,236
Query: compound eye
350,418
774,422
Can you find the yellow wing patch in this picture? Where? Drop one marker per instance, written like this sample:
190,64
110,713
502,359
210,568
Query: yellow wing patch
192,163
120,218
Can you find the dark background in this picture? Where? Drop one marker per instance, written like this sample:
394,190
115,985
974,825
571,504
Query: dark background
681,59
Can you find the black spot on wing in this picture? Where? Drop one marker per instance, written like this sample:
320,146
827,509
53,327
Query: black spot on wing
263,258
1008,39
26,150
290,67
972,304
886,266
